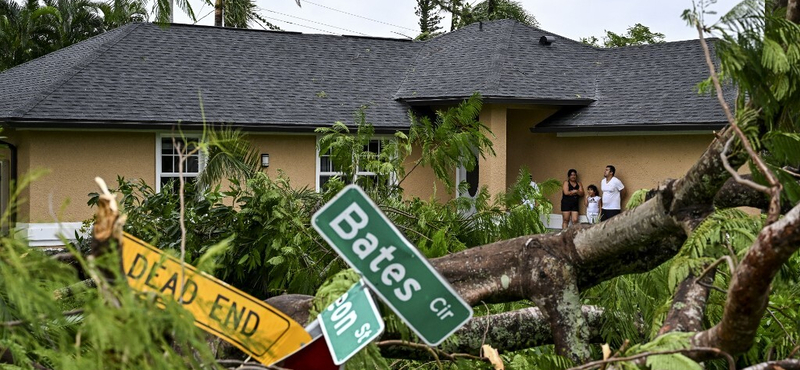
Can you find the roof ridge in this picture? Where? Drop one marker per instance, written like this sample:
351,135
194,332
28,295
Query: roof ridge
455,31
498,58
80,65
284,32
411,66
555,34
660,44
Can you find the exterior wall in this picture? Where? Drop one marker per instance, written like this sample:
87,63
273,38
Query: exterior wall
492,170
422,182
520,141
642,161
294,155
72,159
23,158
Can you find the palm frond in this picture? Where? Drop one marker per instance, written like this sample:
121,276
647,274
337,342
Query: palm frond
228,154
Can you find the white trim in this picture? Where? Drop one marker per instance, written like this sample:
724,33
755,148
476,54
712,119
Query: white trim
635,133
461,175
192,131
201,159
554,221
318,171
47,234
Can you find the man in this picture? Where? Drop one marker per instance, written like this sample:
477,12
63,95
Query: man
612,194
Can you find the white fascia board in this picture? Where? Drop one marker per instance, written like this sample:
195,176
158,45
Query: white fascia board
47,234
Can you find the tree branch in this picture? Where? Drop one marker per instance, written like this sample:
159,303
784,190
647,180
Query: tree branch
592,365
788,364
74,289
7,358
734,194
515,330
688,305
774,190
392,345
793,11
750,286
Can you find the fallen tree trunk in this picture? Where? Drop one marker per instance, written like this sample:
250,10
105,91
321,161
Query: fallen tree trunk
552,269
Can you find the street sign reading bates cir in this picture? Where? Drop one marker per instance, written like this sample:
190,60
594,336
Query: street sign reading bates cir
362,235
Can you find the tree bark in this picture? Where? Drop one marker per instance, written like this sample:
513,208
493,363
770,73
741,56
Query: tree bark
750,286
734,194
688,305
551,269
219,6
507,331
776,365
792,11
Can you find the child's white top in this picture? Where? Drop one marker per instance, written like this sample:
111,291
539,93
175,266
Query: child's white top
593,206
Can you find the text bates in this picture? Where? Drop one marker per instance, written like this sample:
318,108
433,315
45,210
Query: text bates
362,235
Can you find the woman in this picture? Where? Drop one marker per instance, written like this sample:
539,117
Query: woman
571,190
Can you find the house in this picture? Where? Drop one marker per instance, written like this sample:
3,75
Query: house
109,106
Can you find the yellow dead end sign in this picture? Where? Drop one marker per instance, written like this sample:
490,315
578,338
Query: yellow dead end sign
253,326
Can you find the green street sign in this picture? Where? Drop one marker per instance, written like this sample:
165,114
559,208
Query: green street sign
362,235
350,323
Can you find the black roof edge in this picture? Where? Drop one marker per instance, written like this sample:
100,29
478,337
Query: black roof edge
497,100
710,126
129,125
167,24
379,38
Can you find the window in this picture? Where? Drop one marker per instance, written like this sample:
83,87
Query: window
328,169
167,158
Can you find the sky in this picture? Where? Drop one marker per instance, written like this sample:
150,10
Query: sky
396,19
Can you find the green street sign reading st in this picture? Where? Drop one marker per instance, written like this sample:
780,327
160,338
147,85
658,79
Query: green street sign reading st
362,235
350,323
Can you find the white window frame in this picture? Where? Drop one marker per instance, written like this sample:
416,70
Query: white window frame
320,173
201,159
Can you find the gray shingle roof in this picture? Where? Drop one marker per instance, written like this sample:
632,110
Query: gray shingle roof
24,86
648,85
501,59
147,76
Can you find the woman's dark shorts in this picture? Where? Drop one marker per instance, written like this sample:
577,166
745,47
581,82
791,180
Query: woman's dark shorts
569,204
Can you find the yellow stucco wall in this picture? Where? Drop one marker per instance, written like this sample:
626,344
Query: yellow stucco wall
74,158
492,169
294,155
642,161
421,182
71,160
23,158
291,154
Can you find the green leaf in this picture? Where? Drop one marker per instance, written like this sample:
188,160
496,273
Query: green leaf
672,362
774,57
784,147
208,260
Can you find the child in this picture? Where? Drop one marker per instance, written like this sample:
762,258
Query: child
594,203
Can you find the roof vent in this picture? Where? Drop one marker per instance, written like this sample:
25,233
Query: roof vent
547,40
